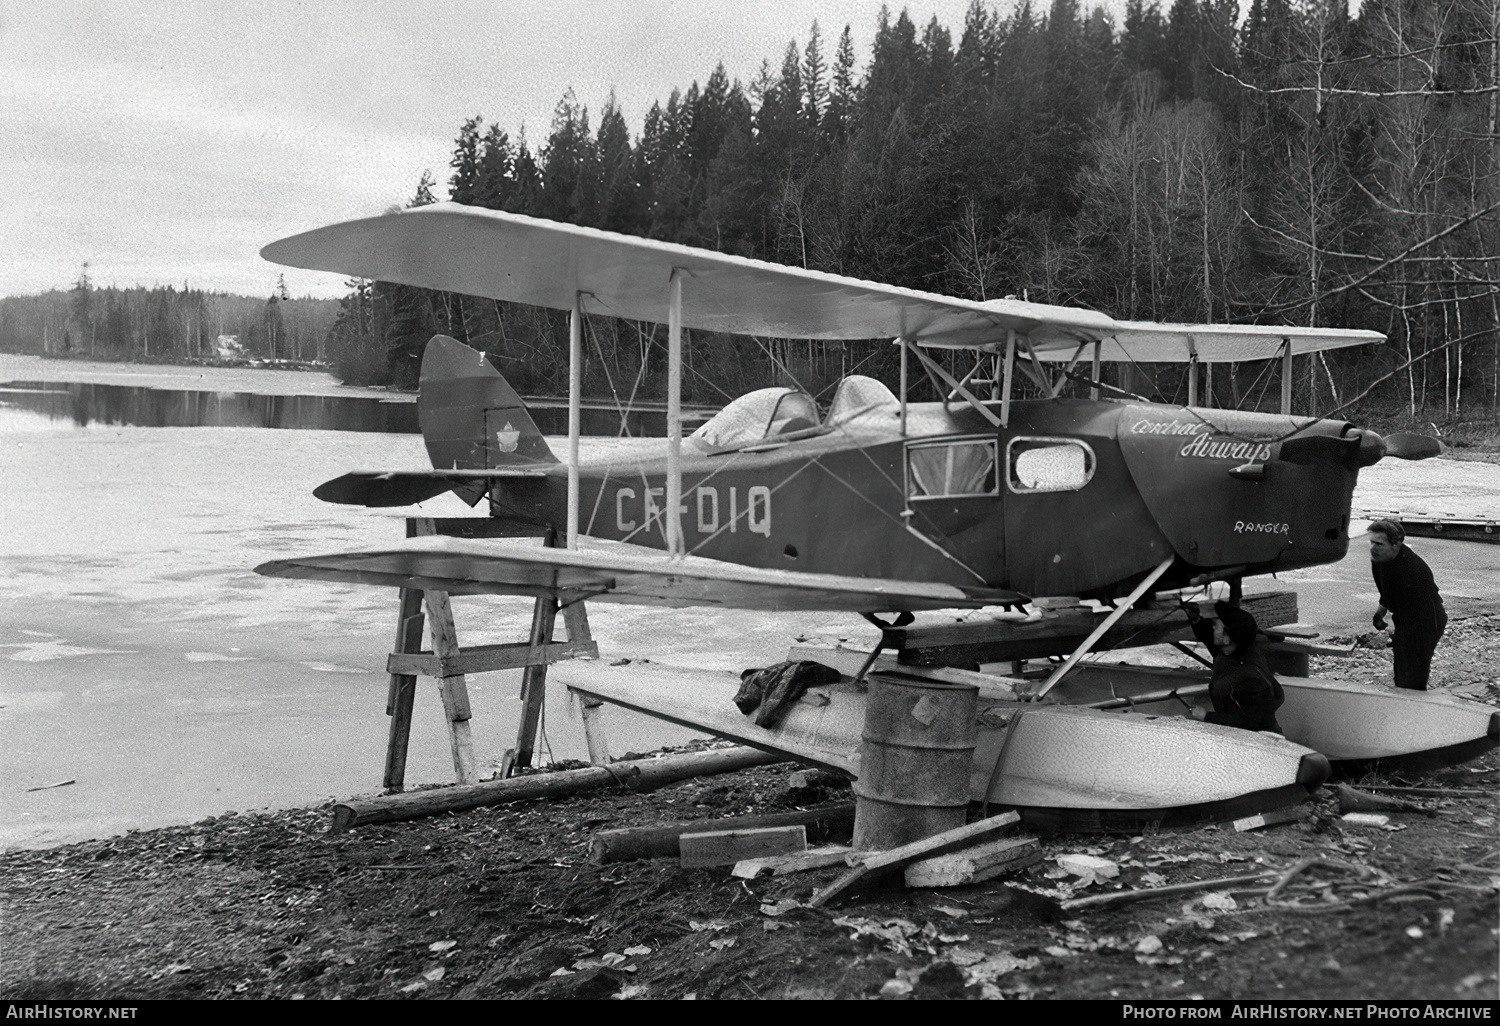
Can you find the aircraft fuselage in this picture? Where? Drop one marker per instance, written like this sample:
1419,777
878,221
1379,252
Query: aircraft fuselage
1073,497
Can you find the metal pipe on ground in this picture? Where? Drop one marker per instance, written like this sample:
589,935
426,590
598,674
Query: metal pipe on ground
637,775
915,757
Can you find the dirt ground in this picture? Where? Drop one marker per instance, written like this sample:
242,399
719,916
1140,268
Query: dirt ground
503,902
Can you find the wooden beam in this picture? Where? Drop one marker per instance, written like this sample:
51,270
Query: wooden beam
512,655
594,735
636,775
403,690
798,862
875,866
454,691
982,641
727,847
629,843
975,865
534,678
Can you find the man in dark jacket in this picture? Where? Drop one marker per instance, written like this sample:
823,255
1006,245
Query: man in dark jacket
1243,690
1409,594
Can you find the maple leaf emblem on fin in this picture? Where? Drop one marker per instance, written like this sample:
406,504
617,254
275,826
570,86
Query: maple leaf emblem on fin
507,438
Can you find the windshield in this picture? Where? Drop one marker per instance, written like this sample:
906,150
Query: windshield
766,413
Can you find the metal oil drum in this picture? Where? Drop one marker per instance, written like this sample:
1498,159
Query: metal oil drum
916,754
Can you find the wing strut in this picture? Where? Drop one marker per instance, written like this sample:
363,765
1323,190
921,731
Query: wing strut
675,546
1108,622
575,403
937,371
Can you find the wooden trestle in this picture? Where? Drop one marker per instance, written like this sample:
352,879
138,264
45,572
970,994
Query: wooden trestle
450,664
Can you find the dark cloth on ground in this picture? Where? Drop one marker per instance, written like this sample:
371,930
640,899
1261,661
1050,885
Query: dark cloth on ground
1409,593
770,692
1243,690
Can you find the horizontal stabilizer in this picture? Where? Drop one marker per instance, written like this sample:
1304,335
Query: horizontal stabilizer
405,487
464,566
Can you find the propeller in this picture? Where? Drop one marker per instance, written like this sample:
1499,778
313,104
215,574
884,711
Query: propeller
1405,445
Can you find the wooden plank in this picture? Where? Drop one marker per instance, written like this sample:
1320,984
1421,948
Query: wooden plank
627,843
637,775
401,697
797,862
874,866
991,641
511,655
576,619
594,735
534,678
726,847
454,691
975,865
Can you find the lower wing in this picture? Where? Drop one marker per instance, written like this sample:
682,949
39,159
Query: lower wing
464,566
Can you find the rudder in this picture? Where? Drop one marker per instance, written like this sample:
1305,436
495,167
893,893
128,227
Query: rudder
471,418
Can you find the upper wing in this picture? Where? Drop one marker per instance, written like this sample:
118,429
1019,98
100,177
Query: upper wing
523,259
484,566
1150,342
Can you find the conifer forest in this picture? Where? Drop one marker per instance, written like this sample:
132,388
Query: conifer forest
1293,162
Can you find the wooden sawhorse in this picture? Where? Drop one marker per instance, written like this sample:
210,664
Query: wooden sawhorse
450,664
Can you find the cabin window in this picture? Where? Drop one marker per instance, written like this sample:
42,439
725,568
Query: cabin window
951,469
1048,464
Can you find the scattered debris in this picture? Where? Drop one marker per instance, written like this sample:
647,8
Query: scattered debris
1272,818
1088,868
1351,800
1146,894
1373,819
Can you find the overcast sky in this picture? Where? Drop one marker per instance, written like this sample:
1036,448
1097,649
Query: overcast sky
166,142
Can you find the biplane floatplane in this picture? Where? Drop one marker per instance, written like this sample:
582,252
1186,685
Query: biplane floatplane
877,505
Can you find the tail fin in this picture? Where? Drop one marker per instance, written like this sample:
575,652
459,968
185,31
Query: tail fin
471,418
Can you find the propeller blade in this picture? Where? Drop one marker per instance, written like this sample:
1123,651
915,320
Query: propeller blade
1407,446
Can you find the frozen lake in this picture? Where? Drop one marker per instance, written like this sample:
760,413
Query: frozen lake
141,657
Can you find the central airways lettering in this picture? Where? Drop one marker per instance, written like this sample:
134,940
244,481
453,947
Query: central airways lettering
753,516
